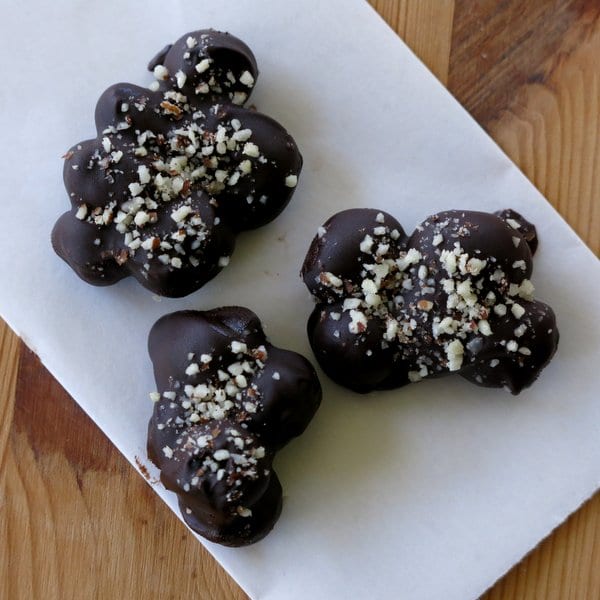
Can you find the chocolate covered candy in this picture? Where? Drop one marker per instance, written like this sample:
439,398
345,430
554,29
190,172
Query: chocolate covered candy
227,401
176,171
453,297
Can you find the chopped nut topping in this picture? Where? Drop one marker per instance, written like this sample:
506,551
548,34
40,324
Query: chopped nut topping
402,290
247,79
161,72
517,310
291,181
171,108
455,352
219,401
82,211
426,305
203,65
244,512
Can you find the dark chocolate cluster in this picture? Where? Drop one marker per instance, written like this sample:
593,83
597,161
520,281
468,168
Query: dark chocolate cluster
176,171
227,401
454,297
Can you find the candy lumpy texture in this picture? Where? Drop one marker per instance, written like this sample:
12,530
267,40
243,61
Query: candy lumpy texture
453,297
227,401
176,171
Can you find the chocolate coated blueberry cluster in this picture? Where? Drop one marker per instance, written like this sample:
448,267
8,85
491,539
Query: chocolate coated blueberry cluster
454,297
227,401
176,171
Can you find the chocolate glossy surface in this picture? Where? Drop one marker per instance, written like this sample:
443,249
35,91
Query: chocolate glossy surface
454,296
176,171
227,401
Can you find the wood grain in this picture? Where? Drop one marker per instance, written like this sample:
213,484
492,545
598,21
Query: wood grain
499,46
552,131
565,566
425,26
77,522
9,361
88,525
541,103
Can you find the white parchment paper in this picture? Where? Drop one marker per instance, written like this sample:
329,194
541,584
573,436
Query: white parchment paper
432,491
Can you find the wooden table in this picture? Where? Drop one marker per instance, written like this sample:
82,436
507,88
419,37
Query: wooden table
77,522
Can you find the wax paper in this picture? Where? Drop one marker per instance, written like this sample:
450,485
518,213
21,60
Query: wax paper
430,491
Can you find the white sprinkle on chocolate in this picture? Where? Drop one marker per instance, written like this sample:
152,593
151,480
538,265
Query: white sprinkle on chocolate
367,244
454,353
242,135
181,78
247,79
181,213
141,218
329,279
291,181
244,512
358,321
512,346
517,310
192,369
500,309
251,149
238,347
82,211
484,327
221,454
203,65
161,72
135,188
